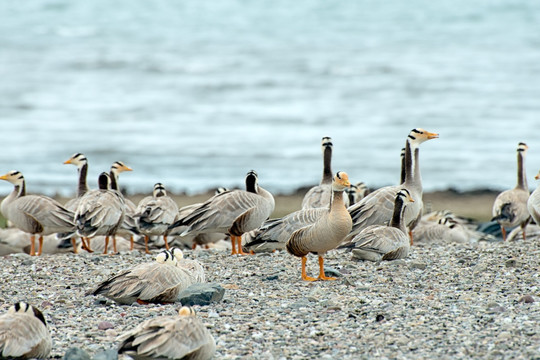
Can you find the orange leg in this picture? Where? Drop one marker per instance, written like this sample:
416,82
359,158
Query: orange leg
503,233
146,244
233,241
411,237
193,246
524,235
131,243
142,302
114,244
88,245
304,276
40,247
239,243
106,245
166,243
33,245
322,276
74,244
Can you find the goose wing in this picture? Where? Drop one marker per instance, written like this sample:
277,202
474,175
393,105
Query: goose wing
380,239
50,214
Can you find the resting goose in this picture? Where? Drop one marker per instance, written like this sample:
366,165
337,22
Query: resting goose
159,281
81,162
100,212
533,204
384,242
180,337
326,233
34,214
234,212
193,267
377,207
510,206
155,214
319,196
356,193
24,333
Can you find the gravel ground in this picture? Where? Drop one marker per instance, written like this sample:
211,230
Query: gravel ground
446,301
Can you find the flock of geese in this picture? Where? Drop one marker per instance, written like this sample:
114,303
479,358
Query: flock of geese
377,226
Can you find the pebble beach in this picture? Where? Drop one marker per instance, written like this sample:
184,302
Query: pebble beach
449,301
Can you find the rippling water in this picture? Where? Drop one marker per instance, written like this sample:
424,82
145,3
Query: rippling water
196,93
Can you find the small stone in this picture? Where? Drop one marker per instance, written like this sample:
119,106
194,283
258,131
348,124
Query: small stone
201,294
331,272
511,263
272,277
104,325
111,333
379,318
417,265
527,299
75,353
111,354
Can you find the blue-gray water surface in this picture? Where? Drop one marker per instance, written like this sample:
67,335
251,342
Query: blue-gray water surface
196,93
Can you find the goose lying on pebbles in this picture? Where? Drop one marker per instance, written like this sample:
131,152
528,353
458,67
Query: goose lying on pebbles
24,333
159,281
180,337
510,206
34,214
326,233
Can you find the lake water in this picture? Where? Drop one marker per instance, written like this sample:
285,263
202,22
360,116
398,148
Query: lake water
196,93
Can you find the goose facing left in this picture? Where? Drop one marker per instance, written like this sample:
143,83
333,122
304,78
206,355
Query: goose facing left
34,214
24,333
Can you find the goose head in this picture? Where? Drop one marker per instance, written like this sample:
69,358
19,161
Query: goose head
252,180
522,148
419,135
340,181
326,143
405,196
159,190
186,311
117,167
177,253
166,257
24,308
104,181
15,177
78,159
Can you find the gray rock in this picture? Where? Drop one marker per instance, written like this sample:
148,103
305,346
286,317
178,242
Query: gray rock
201,294
104,325
330,271
418,265
512,263
526,299
111,354
75,353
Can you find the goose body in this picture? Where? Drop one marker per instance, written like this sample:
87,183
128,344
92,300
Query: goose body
100,212
155,214
232,212
179,337
34,214
533,203
326,233
510,206
24,333
377,207
159,281
385,242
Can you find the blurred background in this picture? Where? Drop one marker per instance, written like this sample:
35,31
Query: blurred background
195,93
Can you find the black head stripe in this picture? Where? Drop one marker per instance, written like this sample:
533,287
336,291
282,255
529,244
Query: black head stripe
417,131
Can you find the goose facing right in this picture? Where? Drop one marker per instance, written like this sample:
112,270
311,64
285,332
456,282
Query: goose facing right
326,233
24,333
34,214
180,337
510,206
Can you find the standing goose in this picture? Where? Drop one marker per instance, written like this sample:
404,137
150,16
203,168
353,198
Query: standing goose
24,333
533,204
155,214
100,212
319,196
180,337
382,242
159,281
510,206
326,233
34,214
234,212
377,207
129,225
81,162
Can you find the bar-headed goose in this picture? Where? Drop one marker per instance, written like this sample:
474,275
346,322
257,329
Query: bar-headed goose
159,281
533,204
233,212
180,337
510,206
100,212
24,333
154,214
81,162
34,214
384,242
377,207
326,233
